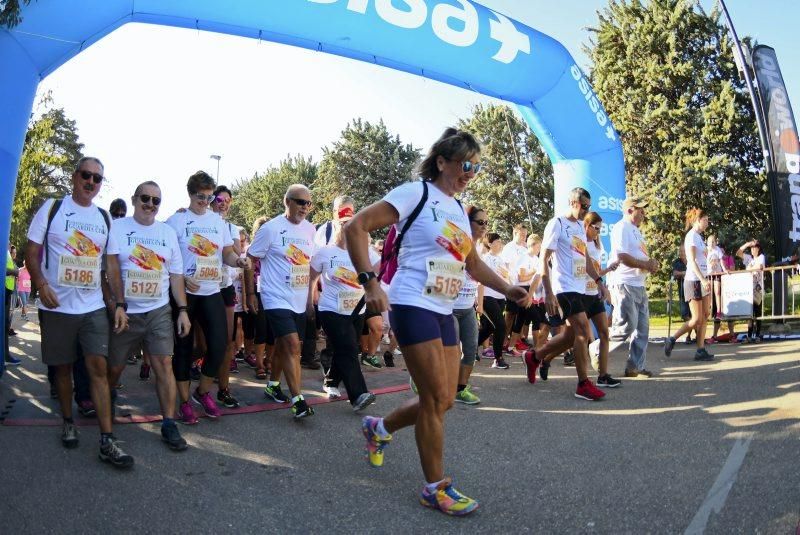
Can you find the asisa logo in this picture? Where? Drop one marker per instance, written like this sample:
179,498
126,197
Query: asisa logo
611,204
593,103
457,25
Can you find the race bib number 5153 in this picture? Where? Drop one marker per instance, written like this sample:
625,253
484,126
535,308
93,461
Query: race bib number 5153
445,278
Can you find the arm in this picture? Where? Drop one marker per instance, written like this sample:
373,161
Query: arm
691,259
115,283
179,294
631,262
312,292
232,258
46,293
551,303
479,300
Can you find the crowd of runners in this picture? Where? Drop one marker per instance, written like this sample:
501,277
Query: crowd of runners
193,294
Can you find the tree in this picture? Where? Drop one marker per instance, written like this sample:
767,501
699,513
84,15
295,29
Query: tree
49,157
262,195
10,12
365,163
666,75
516,184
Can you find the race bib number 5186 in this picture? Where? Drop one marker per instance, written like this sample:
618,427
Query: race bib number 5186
79,271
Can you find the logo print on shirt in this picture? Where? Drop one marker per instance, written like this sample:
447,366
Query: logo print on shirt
129,234
283,231
69,214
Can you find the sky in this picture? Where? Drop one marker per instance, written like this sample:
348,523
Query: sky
154,103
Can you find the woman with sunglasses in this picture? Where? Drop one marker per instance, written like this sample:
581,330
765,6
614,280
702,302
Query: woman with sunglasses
466,318
436,254
492,303
595,301
221,206
206,244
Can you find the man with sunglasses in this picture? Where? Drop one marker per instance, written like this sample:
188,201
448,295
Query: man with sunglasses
151,263
285,245
564,288
70,241
631,318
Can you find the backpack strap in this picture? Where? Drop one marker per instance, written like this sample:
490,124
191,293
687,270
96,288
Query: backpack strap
51,214
107,219
328,232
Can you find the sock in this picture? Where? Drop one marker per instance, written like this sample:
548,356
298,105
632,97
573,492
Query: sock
583,382
461,388
105,438
298,397
69,420
275,383
381,431
431,487
166,422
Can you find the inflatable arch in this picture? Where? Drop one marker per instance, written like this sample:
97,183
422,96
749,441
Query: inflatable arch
459,42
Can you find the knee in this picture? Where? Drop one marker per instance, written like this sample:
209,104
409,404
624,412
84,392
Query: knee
437,402
292,346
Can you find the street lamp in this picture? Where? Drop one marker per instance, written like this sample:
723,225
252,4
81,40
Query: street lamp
218,158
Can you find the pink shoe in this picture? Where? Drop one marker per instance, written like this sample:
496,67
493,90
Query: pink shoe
187,414
207,402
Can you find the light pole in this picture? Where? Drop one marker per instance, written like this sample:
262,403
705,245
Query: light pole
218,158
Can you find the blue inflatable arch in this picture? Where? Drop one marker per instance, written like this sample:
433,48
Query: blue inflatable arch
458,42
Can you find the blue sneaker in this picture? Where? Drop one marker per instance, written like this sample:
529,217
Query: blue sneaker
11,360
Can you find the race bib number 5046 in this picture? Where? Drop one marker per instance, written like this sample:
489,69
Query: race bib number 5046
209,268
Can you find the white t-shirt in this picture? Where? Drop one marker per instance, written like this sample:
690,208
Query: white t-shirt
237,275
714,259
233,230
76,243
286,249
627,238
321,238
499,266
526,263
694,239
147,256
538,292
595,257
568,240
512,253
751,262
341,291
466,297
431,268
202,239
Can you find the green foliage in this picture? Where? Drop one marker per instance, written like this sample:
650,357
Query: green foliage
513,160
49,157
365,163
262,195
10,14
665,73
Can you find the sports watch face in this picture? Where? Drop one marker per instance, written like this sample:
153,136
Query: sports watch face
365,277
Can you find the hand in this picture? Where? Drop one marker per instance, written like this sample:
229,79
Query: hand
375,298
316,298
244,263
182,324
653,265
605,294
310,312
191,284
519,295
48,297
707,285
252,304
479,309
120,320
551,304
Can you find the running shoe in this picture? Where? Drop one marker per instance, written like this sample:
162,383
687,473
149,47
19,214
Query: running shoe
507,350
587,390
172,437
363,401
375,444
144,371
606,381
531,363
467,397
12,332
234,368
517,352
131,360
544,370
645,373
239,356
388,359
669,344
11,360
111,453
69,435
522,345
447,500
301,410
275,393
703,355
371,361
488,353
207,402
224,396
86,408
569,359
187,414
251,361
397,353
500,363
631,372
332,391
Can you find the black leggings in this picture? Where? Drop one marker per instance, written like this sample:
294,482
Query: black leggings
209,312
524,316
493,323
342,332
754,325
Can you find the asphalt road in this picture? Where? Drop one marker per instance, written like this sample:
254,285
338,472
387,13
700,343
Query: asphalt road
709,447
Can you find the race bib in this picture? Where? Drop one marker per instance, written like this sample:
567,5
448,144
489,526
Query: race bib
143,284
209,269
79,271
578,258
445,278
467,293
348,301
299,277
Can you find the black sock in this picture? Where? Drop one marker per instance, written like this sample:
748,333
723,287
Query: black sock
461,387
69,420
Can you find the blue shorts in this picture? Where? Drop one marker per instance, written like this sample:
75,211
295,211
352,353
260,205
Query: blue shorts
284,322
414,325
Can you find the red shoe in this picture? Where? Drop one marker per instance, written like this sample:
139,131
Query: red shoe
531,365
586,390
522,345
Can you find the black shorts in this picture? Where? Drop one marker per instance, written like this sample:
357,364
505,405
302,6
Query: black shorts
594,305
511,306
571,303
538,316
285,322
263,331
228,296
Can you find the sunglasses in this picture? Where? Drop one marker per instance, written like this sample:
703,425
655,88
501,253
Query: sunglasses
583,206
118,215
596,227
203,197
86,175
481,222
149,198
300,202
220,200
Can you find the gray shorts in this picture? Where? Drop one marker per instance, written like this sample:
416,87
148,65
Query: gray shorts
151,330
63,335
467,331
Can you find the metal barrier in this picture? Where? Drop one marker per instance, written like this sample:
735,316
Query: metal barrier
771,293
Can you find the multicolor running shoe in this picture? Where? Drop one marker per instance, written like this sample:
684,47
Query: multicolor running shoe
447,500
375,444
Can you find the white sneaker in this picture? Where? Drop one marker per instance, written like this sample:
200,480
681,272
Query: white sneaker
594,354
397,353
385,339
332,391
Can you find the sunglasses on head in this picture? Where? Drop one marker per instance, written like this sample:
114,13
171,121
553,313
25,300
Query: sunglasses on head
149,198
86,175
203,197
300,202
481,222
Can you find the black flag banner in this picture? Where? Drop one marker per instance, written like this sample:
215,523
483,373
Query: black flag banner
784,181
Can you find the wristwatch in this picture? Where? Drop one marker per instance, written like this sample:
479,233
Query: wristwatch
365,276
123,306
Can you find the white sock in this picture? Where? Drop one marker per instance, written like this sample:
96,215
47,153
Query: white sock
431,487
298,397
380,430
274,383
